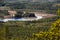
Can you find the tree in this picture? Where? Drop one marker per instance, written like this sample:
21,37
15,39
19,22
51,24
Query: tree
53,34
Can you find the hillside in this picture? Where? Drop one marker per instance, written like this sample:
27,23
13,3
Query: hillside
23,30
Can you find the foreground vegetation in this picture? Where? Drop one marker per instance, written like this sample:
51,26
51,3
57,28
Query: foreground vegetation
24,30
52,34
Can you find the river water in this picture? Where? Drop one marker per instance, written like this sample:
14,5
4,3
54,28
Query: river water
22,19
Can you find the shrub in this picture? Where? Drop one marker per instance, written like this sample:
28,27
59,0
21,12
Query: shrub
52,34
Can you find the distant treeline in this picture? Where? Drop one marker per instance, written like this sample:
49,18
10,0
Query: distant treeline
49,7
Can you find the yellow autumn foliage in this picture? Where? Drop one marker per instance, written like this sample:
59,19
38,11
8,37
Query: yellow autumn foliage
53,34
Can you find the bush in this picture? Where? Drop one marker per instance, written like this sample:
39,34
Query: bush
53,34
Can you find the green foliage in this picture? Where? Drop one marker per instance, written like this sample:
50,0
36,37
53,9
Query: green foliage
53,34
